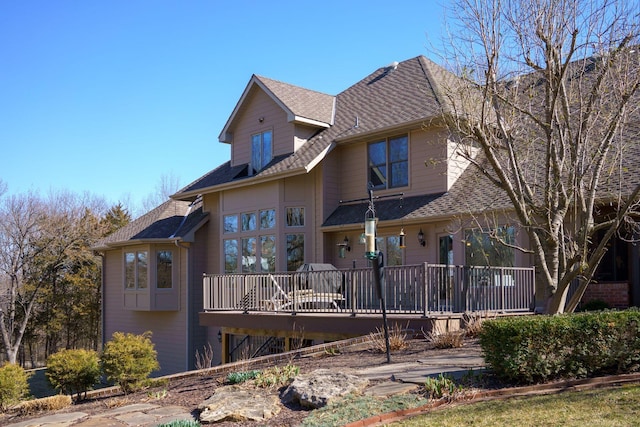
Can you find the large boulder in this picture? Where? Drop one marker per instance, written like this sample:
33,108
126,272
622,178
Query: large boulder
316,389
236,403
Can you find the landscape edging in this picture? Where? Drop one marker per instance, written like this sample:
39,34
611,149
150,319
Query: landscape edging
500,394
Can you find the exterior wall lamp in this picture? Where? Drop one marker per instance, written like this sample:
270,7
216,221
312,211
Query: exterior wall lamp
401,242
219,336
421,240
345,243
344,247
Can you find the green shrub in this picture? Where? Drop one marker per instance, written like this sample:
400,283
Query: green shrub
443,385
544,348
13,385
181,423
276,376
129,359
240,377
73,371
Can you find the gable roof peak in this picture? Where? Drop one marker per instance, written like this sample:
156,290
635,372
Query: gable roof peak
301,105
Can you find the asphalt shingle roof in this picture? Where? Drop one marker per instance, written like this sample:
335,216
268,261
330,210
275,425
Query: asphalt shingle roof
166,221
302,102
414,92
386,99
471,193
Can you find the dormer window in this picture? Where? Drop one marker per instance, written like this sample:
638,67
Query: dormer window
261,150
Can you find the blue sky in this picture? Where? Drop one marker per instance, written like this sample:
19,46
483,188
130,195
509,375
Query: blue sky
105,97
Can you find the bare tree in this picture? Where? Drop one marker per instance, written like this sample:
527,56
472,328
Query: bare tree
168,184
40,242
545,107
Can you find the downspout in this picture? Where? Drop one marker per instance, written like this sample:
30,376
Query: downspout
176,240
102,299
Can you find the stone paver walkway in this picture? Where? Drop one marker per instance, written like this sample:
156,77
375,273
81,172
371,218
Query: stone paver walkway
143,415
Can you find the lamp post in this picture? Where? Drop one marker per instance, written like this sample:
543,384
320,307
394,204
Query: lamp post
376,257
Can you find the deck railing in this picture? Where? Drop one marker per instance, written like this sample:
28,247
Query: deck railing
411,289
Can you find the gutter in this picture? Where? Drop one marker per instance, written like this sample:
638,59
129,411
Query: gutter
187,302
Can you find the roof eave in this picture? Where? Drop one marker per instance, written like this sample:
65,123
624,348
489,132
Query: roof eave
415,124
120,244
239,184
226,136
306,121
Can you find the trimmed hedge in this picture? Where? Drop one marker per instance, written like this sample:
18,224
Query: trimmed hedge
543,348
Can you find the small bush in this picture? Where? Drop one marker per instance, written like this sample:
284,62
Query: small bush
442,386
277,377
73,371
181,423
472,323
441,337
13,385
51,403
129,359
543,348
240,377
397,339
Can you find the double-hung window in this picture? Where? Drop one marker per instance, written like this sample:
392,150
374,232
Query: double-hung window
389,162
261,150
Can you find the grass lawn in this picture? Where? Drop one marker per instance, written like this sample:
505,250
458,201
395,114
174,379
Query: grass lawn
602,407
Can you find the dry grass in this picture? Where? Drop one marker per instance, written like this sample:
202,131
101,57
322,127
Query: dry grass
397,339
441,338
204,360
472,323
52,403
117,402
